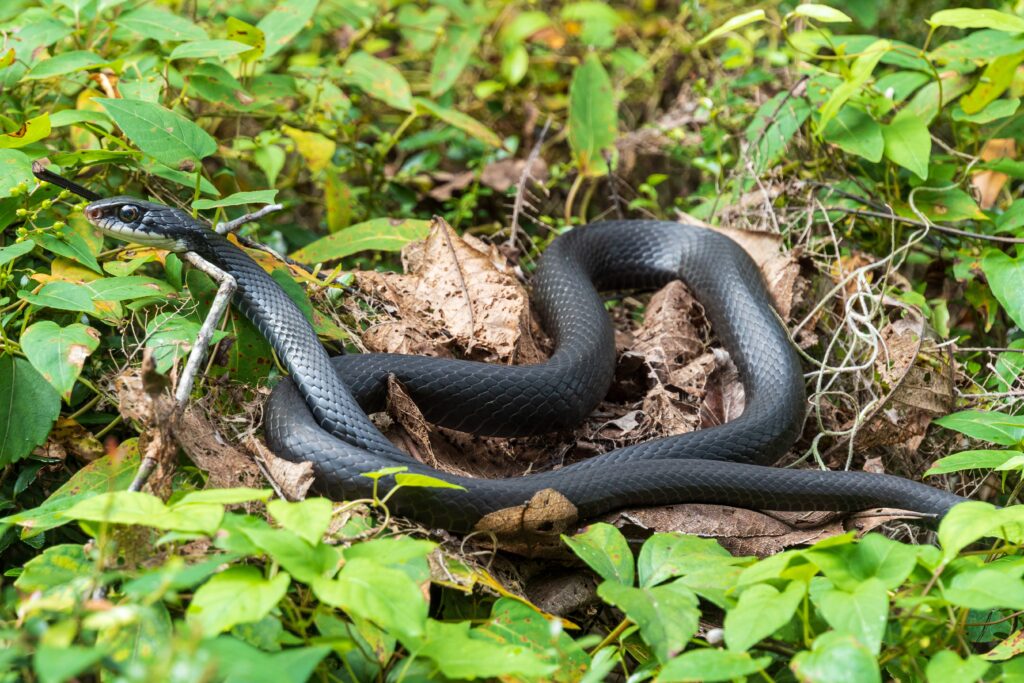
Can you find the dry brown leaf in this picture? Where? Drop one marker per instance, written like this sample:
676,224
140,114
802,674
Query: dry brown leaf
725,397
988,184
227,466
450,184
780,269
291,480
403,411
501,175
669,339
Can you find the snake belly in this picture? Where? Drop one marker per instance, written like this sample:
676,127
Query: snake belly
319,413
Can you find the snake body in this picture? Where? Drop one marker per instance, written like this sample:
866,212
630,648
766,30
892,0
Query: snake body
319,413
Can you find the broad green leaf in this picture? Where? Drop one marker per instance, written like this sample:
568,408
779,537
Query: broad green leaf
606,551
460,654
240,662
849,565
926,103
733,24
150,22
200,49
987,44
947,205
237,199
972,460
667,614
773,126
378,234
836,657
32,130
134,635
397,552
994,81
383,595
170,336
597,22
467,124
284,22
907,143
421,27
666,556
233,496
59,664
1005,274
28,408
143,509
15,168
514,624
593,117
946,666
58,565
861,613
8,254
235,596
127,288
59,353
247,34
823,13
986,588
73,246
109,473
965,524
307,562
856,132
378,79
166,136
308,518
708,664
1000,428
978,18
64,63
999,109
860,71
452,54
761,611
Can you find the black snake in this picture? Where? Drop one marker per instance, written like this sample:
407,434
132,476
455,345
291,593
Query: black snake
320,414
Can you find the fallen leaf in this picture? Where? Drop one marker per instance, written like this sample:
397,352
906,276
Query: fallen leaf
501,175
988,184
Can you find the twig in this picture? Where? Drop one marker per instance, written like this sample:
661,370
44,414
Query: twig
226,288
524,178
921,224
232,225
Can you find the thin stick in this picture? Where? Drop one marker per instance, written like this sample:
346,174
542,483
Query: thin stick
226,288
231,226
921,224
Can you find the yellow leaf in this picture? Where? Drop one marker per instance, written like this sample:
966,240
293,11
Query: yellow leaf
30,131
247,34
316,149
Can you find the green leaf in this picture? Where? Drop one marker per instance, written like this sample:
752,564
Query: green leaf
836,657
946,666
143,509
417,480
999,109
72,246
59,664
514,624
232,496
761,611
378,79
593,117
284,22
306,562
32,130
127,288
467,124
606,551
1005,430
383,595
460,654
986,588
860,71
308,518
108,473
987,44
59,353
907,143
856,132
971,460
237,595
239,662
201,49
947,205
167,137
774,124
237,199
978,18
378,234
872,557
134,635
861,613
733,24
64,63
667,614
1004,275
8,254
421,27
153,23
994,81
965,524
666,556
28,408
710,665
823,13
15,168
247,34
58,565
458,43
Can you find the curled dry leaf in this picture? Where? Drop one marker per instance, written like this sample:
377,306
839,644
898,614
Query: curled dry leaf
461,291
291,480
501,175
988,184
225,465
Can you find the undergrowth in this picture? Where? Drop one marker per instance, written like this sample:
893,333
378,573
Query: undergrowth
878,141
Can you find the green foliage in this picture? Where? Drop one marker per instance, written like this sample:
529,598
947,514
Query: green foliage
352,115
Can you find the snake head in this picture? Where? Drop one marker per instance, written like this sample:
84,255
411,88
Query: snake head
142,222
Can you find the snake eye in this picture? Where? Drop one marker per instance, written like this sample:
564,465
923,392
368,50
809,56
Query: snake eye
128,213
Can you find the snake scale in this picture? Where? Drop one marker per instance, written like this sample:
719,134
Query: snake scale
319,413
